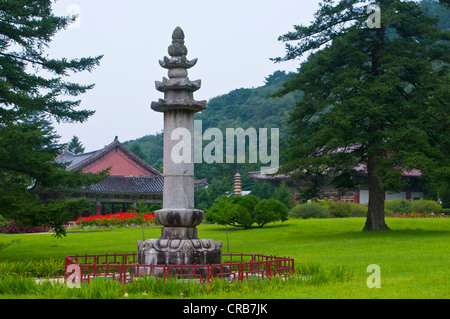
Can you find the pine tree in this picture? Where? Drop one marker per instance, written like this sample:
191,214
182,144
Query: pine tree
375,97
75,146
263,190
32,90
137,150
283,194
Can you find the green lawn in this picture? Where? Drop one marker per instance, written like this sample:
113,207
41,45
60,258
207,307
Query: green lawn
413,257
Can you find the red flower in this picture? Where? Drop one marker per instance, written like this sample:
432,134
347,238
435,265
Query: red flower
121,217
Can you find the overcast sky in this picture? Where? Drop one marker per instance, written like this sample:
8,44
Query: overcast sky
233,41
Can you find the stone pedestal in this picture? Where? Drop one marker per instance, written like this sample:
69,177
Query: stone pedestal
178,243
185,251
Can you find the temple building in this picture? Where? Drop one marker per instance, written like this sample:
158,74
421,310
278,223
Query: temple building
359,195
130,179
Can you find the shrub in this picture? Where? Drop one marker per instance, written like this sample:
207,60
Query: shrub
309,210
446,211
397,206
245,210
247,201
226,211
425,206
325,203
154,207
269,210
340,209
358,210
3,221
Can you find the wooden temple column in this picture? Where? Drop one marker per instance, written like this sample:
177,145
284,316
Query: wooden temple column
98,208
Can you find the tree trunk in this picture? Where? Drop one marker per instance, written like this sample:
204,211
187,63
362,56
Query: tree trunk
375,214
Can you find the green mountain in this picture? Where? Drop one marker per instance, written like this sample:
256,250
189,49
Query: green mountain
151,148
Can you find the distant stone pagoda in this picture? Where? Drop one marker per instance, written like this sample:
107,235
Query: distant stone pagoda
178,243
237,185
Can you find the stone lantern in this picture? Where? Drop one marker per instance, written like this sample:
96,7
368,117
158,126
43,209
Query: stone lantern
178,243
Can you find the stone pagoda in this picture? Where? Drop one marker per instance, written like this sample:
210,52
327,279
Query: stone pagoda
237,185
178,243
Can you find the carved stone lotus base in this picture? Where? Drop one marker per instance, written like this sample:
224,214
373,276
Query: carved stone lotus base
179,218
179,246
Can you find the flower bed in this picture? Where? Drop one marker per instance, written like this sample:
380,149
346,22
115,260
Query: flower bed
118,219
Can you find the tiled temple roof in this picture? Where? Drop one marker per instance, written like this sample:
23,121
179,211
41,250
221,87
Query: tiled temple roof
144,184
361,169
129,185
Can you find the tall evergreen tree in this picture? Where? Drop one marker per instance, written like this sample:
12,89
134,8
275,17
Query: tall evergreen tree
375,97
283,194
32,87
75,146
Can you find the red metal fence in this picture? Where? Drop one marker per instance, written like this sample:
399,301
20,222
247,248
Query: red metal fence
124,268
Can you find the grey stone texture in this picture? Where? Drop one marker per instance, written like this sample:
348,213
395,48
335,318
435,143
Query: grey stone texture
179,243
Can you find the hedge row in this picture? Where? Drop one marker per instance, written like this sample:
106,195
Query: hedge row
401,206
394,207
327,210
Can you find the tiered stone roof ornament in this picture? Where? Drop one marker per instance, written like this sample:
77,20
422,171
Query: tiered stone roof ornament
237,184
178,89
179,243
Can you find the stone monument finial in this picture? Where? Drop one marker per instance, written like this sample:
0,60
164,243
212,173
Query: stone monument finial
178,34
178,89
177,48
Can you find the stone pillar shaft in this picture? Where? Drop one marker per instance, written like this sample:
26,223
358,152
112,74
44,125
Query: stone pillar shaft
178,177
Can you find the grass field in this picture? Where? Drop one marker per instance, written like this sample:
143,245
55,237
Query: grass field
413,257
